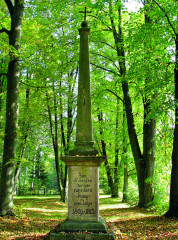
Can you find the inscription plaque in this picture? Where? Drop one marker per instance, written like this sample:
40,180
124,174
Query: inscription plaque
83,193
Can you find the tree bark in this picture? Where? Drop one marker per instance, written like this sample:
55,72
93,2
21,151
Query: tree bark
124,159
54,135
115,191
149,129
173,204
3,77
9,153
24,131
106,163
125,186
33,172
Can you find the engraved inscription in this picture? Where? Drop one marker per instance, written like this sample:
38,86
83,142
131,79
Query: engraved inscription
83,193
83,203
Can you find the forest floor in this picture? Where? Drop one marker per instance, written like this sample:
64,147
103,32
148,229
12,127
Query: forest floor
37,216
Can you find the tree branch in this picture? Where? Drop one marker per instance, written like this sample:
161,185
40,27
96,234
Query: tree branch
108,70
33,86
108,45
100,21
164,11
114,94
4,30
10,6
111,60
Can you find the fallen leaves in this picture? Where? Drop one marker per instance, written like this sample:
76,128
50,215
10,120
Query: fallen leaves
36,217
147,228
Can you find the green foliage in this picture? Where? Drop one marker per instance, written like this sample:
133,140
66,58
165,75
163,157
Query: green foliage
49,61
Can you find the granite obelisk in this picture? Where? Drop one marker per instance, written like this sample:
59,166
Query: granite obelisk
84,134
83,161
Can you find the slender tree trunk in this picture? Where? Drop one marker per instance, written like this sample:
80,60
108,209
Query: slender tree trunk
106,163
34,172
115,192
7,175
63,173
54,135
24,131
124,157
25,177
125,186
18,167
2,86
66,138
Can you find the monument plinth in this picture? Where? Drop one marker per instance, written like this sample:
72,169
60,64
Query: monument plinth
83,163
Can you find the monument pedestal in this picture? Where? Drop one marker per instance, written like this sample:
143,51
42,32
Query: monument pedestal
84,226
83,201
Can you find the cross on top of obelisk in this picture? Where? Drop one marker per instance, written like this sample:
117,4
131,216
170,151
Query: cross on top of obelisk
85,13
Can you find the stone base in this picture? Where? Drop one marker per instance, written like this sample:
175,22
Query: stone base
84,226
80,236
75,230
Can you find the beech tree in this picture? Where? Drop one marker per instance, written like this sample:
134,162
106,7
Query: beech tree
142,161
173,205
7,175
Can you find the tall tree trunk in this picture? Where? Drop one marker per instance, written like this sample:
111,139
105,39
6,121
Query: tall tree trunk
142,164
25,177
33,172
54,135
2,86
149,129
106,163
173,204
63,172
25,128
124,156
67,138
125,186
7,175
115,192
138,158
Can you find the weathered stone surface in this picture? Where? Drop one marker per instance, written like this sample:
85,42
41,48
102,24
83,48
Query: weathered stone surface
70,236
83,193
75,236
83,160
84,148
84,226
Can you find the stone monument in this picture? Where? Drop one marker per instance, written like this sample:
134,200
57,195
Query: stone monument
83,163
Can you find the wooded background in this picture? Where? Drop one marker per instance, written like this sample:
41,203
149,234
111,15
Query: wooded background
134,84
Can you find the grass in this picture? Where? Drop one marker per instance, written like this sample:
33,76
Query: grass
36,216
